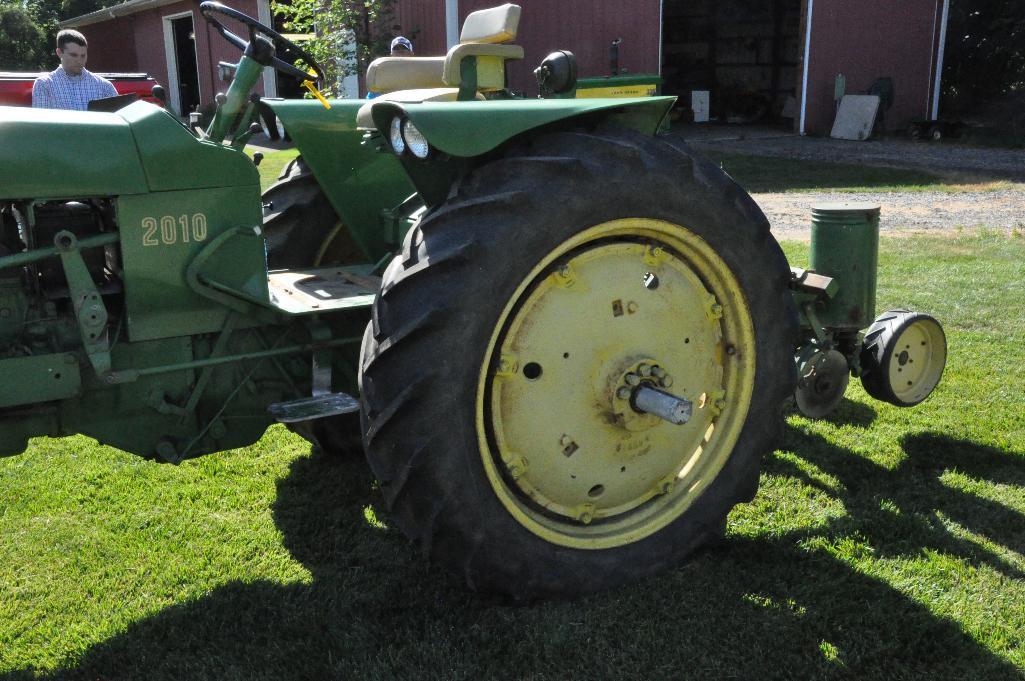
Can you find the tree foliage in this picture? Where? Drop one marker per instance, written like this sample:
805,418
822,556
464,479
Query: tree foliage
985,50
348,34
20,49
28,30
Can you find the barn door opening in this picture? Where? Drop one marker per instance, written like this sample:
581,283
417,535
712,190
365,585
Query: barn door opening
743,53
182,64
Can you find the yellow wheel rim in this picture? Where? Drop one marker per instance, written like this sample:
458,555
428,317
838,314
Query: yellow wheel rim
917,361
564,451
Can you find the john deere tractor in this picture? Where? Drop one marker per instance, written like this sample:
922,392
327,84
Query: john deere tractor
564,341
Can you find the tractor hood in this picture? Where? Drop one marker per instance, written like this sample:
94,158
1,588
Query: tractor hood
468,129
46,153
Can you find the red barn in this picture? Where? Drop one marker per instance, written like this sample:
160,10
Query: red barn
752,55
759,59
171,41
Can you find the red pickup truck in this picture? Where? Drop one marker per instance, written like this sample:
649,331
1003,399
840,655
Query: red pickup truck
16,88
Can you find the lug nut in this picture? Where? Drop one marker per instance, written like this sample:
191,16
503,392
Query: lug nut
632,379
644,370
658,372
623,393
666,381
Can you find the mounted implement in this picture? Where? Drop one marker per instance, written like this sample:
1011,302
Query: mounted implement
568,339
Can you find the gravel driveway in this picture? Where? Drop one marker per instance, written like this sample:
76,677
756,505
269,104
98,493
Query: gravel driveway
908,212
1000,206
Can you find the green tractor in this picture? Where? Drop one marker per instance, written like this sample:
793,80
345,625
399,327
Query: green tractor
564,341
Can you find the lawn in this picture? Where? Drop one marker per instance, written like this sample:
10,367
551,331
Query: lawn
770,174
884,543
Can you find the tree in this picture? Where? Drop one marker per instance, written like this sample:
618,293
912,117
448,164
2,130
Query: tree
22,46
985,50
349,34
29,29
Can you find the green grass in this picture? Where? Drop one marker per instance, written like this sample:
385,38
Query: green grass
767,174
883,544
271,165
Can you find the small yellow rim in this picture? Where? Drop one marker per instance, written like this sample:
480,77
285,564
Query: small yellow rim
917,361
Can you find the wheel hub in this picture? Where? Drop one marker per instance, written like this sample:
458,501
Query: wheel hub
647,372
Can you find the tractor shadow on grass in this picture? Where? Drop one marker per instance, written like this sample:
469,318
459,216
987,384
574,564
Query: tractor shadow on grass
759,607
848,413
909,510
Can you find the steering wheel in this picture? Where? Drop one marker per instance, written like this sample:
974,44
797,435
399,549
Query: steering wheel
209,9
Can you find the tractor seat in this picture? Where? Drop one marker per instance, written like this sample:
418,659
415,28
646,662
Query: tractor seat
365,121
427,79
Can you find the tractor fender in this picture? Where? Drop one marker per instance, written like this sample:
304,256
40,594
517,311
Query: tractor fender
470,129
466,131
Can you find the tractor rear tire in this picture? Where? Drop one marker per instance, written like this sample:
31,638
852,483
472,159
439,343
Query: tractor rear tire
595,257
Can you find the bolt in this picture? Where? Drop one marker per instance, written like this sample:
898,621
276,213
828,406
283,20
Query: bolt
564,276
731,350
218,430
166,450
631,307
585,513
507,365
565,440
716,309
720,404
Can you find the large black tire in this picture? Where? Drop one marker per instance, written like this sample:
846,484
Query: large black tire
445,293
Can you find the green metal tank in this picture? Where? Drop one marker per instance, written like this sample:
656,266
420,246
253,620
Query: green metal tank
845,246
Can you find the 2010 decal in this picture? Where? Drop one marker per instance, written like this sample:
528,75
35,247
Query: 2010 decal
170,230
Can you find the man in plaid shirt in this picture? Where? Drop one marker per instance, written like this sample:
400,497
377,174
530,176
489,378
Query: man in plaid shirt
70,86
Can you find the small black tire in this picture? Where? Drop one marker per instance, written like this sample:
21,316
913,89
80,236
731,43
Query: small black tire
903,376
458,284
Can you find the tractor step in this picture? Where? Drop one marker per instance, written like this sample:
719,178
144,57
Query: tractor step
316,407
310,291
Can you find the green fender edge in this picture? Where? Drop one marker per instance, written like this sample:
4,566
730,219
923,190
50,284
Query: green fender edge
468,129
464,131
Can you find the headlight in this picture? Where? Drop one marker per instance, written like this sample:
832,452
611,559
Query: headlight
415,140
398,144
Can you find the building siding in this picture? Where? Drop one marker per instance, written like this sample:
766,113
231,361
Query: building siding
864,41
867,40
583,27
136,43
